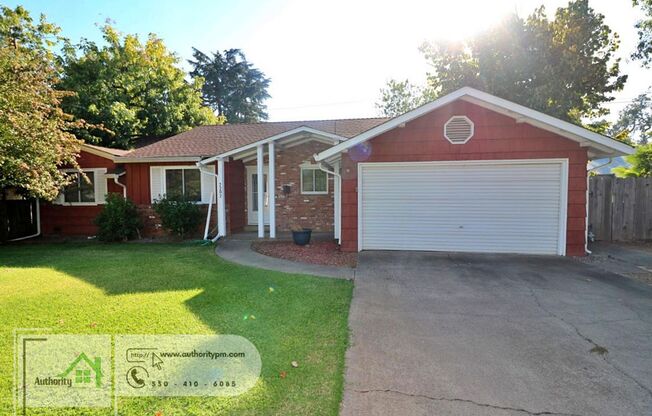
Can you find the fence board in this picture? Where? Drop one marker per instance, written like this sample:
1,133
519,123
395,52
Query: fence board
620,209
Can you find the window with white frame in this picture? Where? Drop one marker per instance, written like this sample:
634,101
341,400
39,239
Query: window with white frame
183,183
313,180
80,190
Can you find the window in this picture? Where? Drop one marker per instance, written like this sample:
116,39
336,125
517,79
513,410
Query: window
254,192
313,181
79,189
183,183
82,376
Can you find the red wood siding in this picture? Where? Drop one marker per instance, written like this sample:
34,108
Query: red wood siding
77,220
496,137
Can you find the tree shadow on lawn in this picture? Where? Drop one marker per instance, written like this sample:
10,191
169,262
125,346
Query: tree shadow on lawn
287,317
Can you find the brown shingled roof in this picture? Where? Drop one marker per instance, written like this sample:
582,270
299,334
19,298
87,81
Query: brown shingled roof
213,140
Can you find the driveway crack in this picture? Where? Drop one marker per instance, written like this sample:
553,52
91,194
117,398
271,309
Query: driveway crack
602,351
469,401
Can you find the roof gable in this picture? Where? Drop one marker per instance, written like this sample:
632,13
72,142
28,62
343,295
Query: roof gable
599,145
218,139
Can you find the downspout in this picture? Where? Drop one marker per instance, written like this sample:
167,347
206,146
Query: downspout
200,166
339,198
124,187
38,223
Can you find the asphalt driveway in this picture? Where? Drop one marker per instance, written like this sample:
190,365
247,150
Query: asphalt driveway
458,334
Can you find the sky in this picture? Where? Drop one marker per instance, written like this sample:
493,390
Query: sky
328,58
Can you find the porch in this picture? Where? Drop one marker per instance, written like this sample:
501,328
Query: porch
268,188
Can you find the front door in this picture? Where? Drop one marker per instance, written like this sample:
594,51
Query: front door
252,196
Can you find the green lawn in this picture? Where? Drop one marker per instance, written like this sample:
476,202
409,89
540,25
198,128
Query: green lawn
182,289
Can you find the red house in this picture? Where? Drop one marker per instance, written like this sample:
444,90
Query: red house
467,172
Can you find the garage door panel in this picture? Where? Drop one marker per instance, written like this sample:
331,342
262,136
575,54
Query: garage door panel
481,207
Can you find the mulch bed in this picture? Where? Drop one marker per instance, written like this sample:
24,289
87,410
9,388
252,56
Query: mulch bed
326,253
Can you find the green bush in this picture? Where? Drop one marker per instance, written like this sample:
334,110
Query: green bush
178,215
118,220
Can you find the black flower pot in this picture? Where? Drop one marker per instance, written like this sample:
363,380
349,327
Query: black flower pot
301,238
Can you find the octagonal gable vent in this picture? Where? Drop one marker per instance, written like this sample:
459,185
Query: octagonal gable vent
458,129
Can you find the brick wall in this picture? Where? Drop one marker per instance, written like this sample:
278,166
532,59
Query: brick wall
295,209
496,137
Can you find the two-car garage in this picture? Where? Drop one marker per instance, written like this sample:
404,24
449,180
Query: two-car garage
495,206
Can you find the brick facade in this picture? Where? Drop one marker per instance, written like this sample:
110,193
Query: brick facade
294,209
496,137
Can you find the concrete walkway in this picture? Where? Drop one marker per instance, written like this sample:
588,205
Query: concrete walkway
238,250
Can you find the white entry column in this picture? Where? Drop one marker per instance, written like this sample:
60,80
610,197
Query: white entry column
272,190
221,206
261,190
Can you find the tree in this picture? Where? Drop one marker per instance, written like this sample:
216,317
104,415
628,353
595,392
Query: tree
34,132
564,67
399,97
644,27
135,90
641,163
635,120
232,87
35,137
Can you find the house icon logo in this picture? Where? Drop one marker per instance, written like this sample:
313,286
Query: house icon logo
83,371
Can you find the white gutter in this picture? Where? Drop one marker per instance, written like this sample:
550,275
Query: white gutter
115,177
38,223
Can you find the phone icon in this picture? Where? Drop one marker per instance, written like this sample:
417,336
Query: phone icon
136,377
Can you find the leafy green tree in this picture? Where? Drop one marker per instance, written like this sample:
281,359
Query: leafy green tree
635,120
399,97
644,27
232,87
641,163
564,67
133,89
35,138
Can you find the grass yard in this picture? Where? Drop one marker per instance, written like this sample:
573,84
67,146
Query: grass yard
182,289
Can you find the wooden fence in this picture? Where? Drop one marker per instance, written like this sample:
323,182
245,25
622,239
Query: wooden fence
620,209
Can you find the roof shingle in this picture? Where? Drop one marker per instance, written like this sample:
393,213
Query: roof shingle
212,140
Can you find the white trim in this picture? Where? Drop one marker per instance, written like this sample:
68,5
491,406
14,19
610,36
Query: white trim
99,200
271,188
311,166
251,218
468,120
288,133
518,111
260,189
128,159
165,168
221,200
563,202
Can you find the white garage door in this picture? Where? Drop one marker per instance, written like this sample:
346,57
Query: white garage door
472,206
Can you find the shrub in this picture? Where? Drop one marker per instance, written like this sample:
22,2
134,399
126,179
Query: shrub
118,220
178,215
